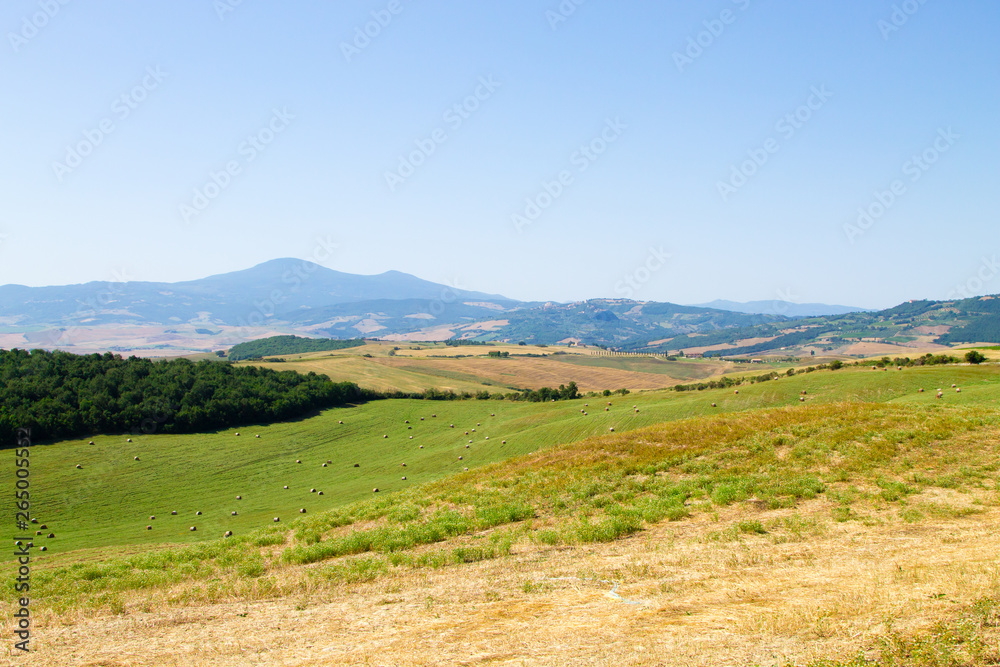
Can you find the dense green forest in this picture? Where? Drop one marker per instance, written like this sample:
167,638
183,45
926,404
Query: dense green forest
266,347
985,329
63,395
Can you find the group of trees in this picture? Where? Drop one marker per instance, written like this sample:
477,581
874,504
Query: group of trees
726,381
266,347
63,395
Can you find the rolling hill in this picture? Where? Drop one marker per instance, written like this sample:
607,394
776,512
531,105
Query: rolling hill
291,296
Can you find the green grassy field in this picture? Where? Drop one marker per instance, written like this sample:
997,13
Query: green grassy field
759,503
108,502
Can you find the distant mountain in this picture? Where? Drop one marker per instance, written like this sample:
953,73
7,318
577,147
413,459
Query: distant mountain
778,307
291,296
291,291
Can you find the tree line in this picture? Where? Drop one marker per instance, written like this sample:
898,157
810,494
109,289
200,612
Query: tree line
63,395
274,345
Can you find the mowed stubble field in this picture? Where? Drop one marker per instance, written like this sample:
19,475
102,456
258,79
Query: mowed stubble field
470,369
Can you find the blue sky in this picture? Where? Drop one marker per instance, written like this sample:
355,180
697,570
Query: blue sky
664,151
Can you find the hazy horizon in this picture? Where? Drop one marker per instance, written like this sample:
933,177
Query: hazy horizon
545,150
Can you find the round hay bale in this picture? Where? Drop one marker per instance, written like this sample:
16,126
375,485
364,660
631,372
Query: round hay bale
91,442
149,528
803,392
411,437
607,409
451,426
340,421
276,519
43,548
50,535
198,513
228,533
958,389
302,510
384,436
802,399
193,528
174,513
713,405
34,521
409,428
921,390
466,470
407,421
257,436
433,415
237,434
312,490
79,467
152,518
298,460
135,458
953,386
503,442
239,497
320,493
612,428
375,490
421,446
736,391
233,513
357,465
404,478
129,440
324,465
487,437
459,458
286,486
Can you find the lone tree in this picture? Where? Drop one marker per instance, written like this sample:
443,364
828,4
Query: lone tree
975,357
